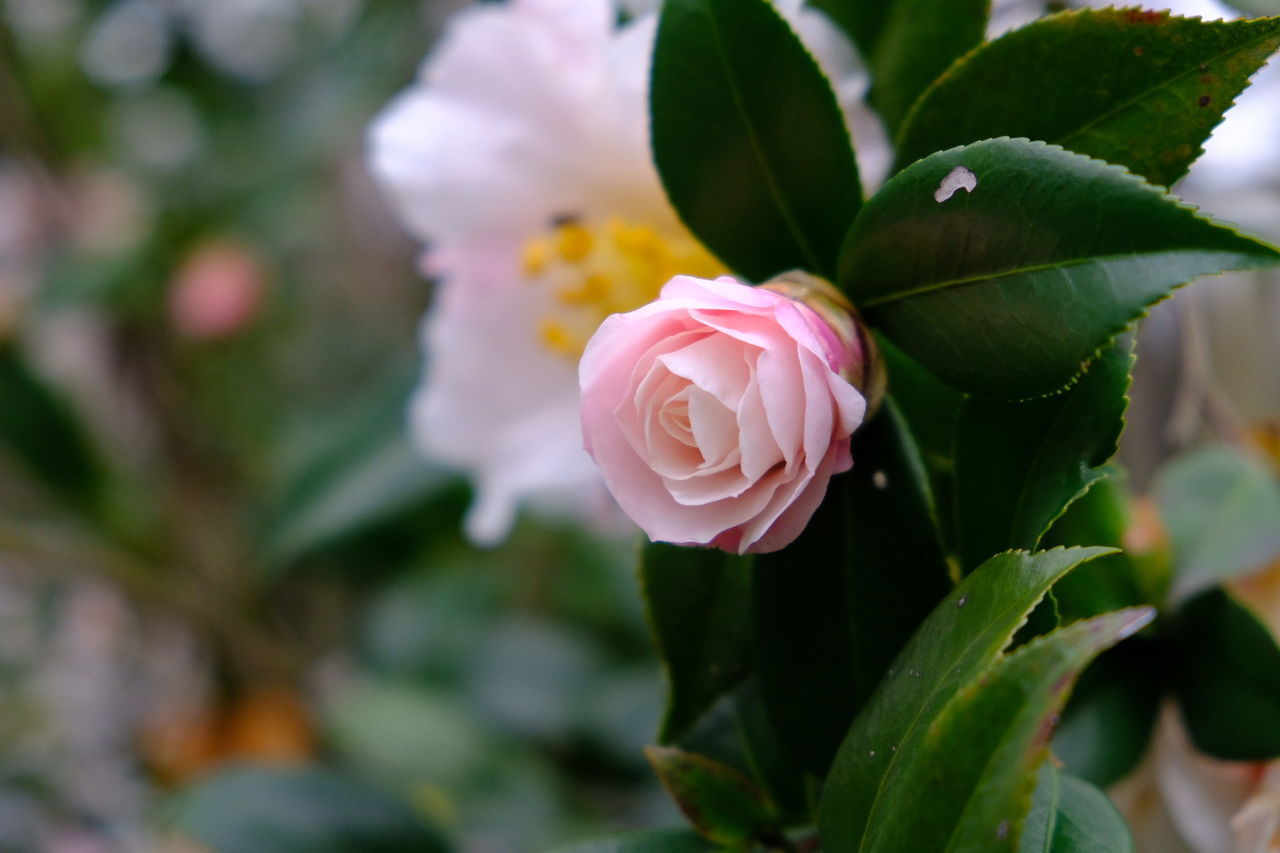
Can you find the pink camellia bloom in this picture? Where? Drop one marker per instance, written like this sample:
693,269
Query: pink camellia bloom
521,158
718,413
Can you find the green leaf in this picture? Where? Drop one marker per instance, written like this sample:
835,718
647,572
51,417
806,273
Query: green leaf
827,623
1129,86
1019,465
403,734
272,810
1008,289
772,764
918,42
39,428
1037,832
699,604
1256,7
722,804
1099,517
1108,723
979,756
961,639
862,20
350,475
1222,511
645,841
1005,720
748,138
1227,677
1042,620
1068,815
929,406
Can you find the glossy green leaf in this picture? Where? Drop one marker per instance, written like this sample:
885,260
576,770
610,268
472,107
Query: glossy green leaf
1108,723
748,138
1068,815
699,604
961,639
772,764
862,20
717,734
1099,517
39,428
1222,511
722,804
1043,619
918,42
644,841
1037,832
979,756
929,406
1008,288
1227,676
1006,719
1019,465
1130,86
737,733
827,623
274,810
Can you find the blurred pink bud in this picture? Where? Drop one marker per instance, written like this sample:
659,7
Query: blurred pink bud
216,292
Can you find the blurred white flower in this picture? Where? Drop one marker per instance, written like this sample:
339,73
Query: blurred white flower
129,45
40,20
1182,801
252,39
521,158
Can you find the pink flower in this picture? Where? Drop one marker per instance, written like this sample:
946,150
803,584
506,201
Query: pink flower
530,116
217,291
718,413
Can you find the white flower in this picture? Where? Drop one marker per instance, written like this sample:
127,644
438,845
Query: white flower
1182,801
521,158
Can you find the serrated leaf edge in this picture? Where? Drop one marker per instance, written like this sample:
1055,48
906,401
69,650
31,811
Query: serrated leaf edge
1165,195
1054,17
1098,551
1096,474
1141,616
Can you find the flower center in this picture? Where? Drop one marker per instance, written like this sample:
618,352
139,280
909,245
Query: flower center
594,270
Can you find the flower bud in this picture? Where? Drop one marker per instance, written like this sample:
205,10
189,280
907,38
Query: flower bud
854,352
718,413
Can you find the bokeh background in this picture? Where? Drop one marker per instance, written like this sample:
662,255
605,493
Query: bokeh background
228,584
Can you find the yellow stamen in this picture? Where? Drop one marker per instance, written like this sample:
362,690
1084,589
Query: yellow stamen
594,289
535,258
637,240
595,270
573,242
555,337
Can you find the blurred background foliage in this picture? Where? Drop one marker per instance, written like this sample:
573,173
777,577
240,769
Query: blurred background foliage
235,607
222,565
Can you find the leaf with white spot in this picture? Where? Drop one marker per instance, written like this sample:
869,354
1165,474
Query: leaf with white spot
1009,290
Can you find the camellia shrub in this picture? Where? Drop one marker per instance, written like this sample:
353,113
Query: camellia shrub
869,435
